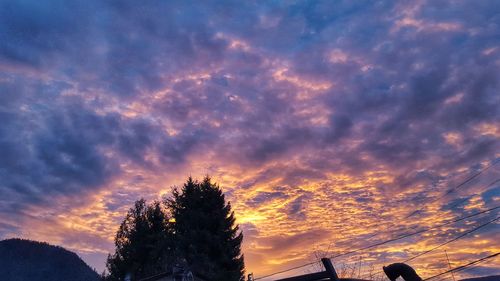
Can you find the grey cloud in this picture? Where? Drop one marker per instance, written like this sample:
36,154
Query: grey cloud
69,69
265,196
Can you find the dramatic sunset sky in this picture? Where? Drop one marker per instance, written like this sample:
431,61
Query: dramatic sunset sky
326,123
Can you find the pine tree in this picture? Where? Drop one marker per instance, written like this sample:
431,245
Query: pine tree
160,237
205,232
143,243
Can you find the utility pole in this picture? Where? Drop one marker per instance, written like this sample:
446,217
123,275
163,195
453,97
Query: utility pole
327,263
449,265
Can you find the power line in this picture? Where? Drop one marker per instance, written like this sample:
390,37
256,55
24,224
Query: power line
450,241
369,275
475,194
456,269
454,205
472,177
453,240
462,267
414,233
286,270
407,235
475,265
383,242
469,179
461,201
452,189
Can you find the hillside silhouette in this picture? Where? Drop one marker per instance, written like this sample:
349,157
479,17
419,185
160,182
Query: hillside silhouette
26,260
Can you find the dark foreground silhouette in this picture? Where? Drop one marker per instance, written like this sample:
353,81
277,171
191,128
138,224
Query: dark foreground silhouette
393,271
25,260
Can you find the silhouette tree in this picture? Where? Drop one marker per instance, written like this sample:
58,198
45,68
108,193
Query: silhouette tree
205,232
143,243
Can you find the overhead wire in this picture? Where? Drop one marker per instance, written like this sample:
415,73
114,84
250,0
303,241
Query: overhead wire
462,267
469,179
383,242
475,265
414,233
475,194
454,239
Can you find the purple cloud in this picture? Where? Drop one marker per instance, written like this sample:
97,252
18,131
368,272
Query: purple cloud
365,109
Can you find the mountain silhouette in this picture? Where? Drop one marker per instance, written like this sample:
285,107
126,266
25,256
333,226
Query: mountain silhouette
26,260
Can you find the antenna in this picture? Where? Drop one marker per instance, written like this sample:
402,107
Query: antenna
449,265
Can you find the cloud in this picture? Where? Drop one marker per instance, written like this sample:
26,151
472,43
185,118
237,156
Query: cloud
360,112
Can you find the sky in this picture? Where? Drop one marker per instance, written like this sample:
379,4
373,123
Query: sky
326,123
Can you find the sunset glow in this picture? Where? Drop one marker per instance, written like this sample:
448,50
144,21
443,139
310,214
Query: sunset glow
329,125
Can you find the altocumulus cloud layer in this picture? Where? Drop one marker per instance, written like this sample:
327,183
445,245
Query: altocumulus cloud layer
326,122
